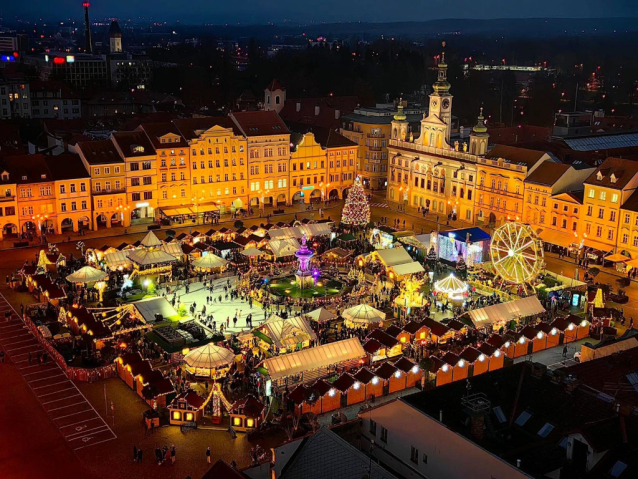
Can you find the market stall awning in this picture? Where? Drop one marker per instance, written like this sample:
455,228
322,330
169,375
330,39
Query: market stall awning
87,274
590,243
117,259
617,258
206,208
504,312
393,256
174,249
633,263
558,238
408,268
148,308
175,211
314,358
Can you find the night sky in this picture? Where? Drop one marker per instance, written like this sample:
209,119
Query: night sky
262,11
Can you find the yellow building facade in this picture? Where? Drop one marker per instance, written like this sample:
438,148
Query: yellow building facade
308,169
8,205
72,185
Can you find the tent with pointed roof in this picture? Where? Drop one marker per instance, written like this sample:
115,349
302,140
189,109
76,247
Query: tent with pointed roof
362,316
321,315
284,247
286,334
87,274
209,261
252,252
151,241
209,361
147,257
450,285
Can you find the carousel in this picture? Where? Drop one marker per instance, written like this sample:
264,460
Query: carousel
209,361
209,262
451,287
87,275
362,316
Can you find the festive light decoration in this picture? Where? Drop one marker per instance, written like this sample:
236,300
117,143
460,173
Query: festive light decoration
452,286
356,211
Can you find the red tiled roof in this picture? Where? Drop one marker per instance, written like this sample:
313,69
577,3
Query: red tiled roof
155,131
516,155
470,354
623,170
384,338
451,359
128,140
191,128
259,123
275,85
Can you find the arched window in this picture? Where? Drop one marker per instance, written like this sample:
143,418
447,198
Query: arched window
277,100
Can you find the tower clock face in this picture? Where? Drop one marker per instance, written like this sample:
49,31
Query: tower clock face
445,104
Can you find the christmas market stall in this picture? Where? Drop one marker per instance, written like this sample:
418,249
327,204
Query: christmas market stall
118,260
209,361
285,334
401,271
350,389
568,327
308,364
420,244
187,407
494,356
390,347
451,288
370,383
51,260
339,256
150,259
321,315
411,373
247,414
284,248
209,262
362,316
472,244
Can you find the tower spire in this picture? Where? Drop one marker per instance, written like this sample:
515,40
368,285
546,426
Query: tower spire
442,85
88,46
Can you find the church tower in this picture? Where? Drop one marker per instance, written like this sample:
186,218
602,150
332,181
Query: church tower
479,136
436,127
274,97
115,35
400,124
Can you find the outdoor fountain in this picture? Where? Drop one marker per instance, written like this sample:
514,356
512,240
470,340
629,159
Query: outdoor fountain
304,276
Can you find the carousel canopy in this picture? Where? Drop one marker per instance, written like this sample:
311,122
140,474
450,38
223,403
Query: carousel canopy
408,268
393,256
314,358
320,315
209,261
286,333
363,314
151,241
144,257
250,252
450,285
504,312
209,357
87,274
284,247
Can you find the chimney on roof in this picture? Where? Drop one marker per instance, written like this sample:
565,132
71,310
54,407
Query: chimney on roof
441,416
298,108
317,110
337,114
518,463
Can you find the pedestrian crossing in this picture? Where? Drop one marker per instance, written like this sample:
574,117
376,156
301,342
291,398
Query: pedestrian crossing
378,205
73,415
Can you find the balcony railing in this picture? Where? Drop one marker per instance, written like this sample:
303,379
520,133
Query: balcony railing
376,135
7,198
109,192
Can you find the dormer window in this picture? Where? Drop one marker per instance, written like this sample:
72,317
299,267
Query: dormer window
613,178
599,176
24,178
43,176
5,176
138,149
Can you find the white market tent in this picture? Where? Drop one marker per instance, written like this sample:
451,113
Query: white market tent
424,239
321,315
363,314
314,358
145,257
252,252
116,259
408,268
504,312
287,333
393,256
148,308
151,240
204,361
315,229
284,247
87,274
174,249
210,261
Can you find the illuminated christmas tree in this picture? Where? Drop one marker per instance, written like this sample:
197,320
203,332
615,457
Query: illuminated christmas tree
356,211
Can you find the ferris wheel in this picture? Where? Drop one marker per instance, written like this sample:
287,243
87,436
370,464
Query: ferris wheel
517,253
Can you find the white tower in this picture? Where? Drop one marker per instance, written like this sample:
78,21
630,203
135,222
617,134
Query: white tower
400,124
479,137
274,97
115,36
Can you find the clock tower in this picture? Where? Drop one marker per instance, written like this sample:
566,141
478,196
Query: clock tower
440,99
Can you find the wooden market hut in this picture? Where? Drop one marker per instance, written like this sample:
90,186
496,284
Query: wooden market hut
438,333
411,372
123,366
418,331
477,362
500,342
157,391
186,407
391,377
495,357
536,337
305,400
81,321
518,342
370,382
567,326
441,370
552,335
247,414
459,366
460,329
329,396
391,347
352,391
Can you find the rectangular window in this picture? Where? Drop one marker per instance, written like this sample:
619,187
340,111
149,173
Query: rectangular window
414,455
148,195
135,196
384,432
373,428
614,198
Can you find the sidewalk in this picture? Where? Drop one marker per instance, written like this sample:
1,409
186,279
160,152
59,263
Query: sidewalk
105,233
